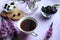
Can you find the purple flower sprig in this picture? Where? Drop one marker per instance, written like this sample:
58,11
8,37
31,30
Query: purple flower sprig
13,31
3,30
49,32
10,24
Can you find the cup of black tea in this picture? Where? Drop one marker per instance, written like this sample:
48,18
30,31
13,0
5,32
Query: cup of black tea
28,25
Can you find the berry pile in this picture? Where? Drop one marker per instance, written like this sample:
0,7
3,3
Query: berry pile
49,9
3,30
13,32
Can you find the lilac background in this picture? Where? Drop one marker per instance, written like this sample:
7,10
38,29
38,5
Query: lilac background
43,24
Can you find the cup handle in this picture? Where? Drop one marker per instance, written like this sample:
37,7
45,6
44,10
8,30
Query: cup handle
34,34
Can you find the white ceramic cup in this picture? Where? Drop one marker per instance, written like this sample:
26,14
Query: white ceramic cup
28,32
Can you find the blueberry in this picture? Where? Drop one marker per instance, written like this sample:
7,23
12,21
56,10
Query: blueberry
14,7
8,6
43,9
48,7
5,6
12,3
8,9
54,10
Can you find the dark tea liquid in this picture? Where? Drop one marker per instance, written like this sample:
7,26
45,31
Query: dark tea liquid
28,25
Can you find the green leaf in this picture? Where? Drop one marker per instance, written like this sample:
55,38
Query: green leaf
55,5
